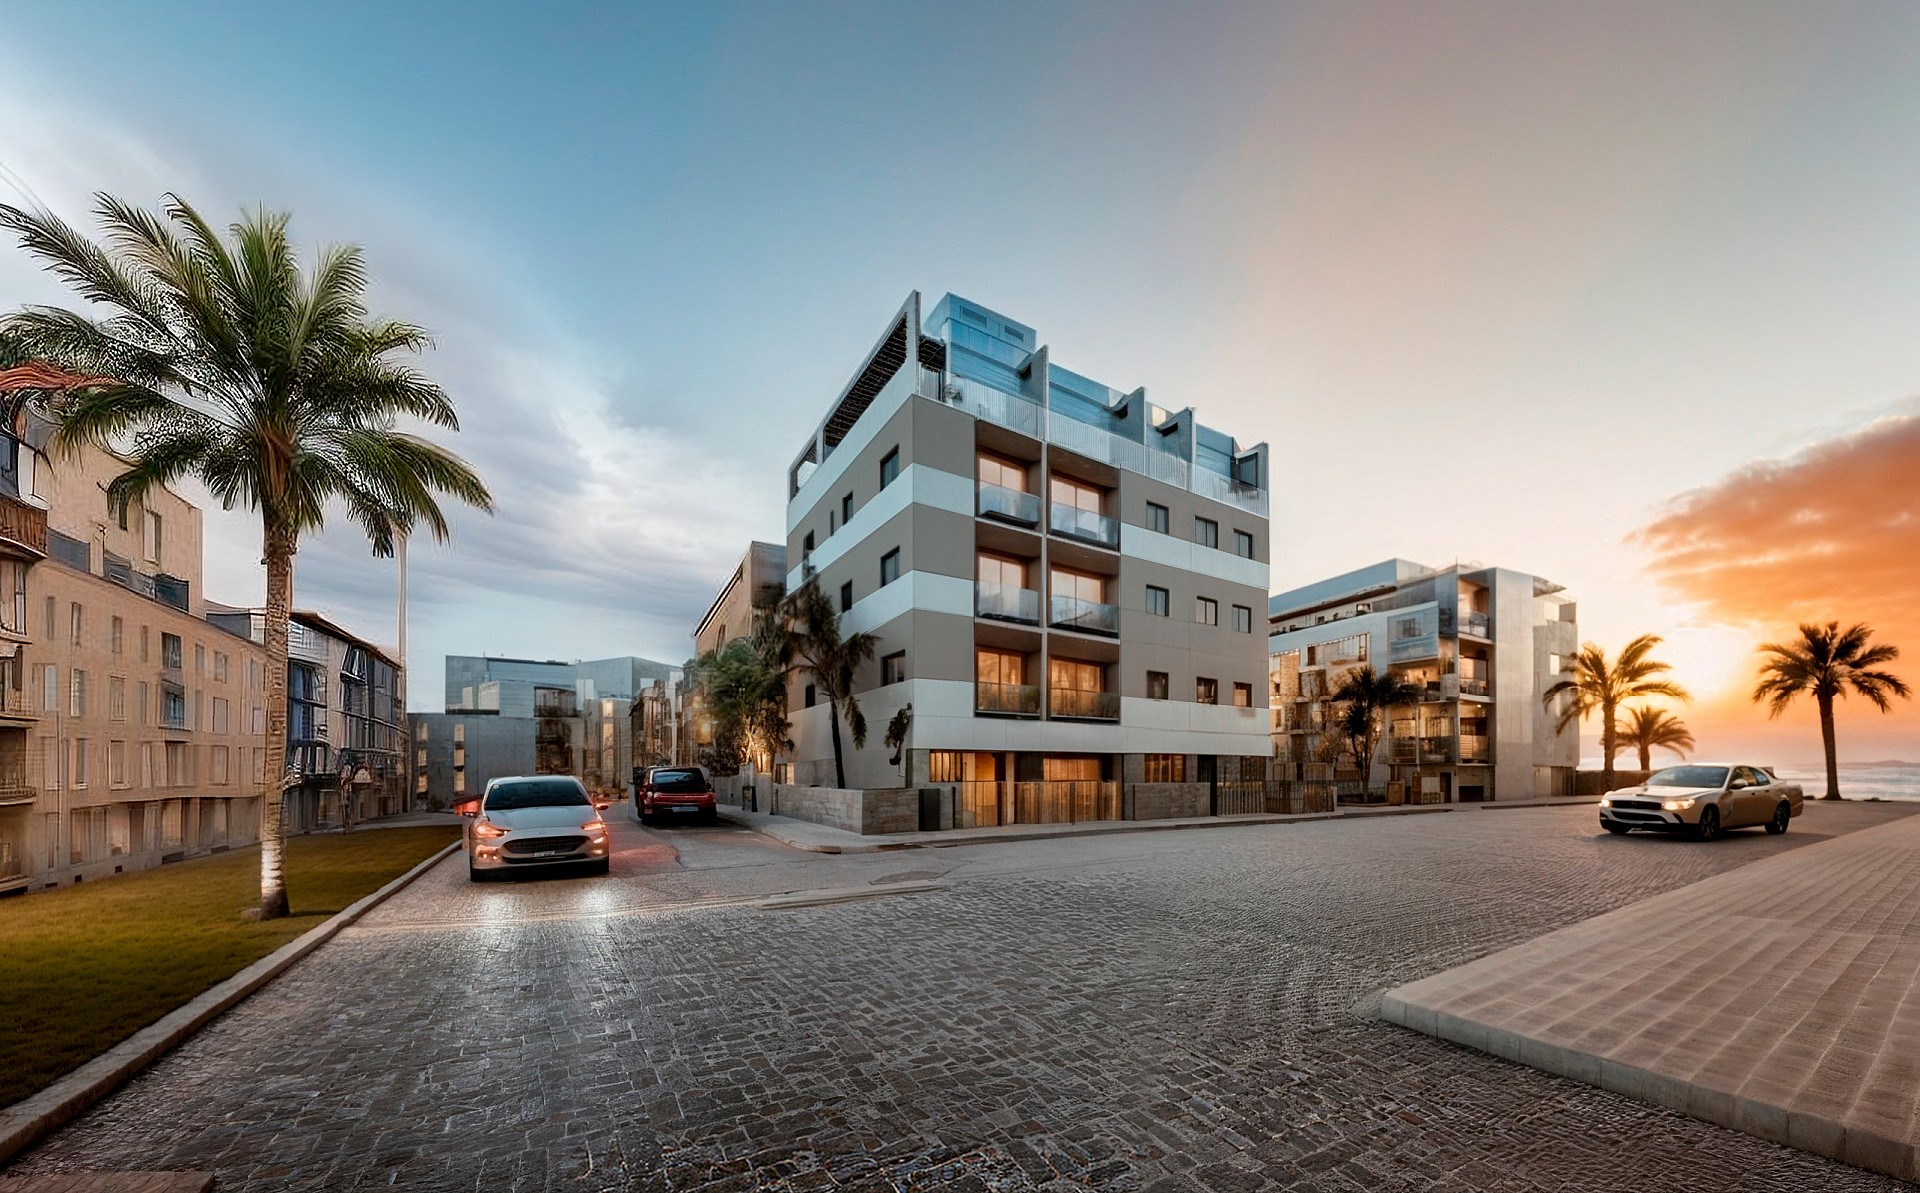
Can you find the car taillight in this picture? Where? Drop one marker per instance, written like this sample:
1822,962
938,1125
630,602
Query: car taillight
486,831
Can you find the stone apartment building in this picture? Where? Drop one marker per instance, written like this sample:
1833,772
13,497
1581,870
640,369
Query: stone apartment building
131,728
1480,645
1067,582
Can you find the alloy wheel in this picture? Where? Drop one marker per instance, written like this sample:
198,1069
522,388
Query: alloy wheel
1709,827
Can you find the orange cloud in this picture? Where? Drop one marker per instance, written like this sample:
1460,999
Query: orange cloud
1831,534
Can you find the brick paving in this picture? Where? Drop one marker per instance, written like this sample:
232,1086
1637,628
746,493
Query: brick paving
1157,1011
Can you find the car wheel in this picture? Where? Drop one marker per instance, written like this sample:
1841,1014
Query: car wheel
1618,830
1709,826
1781,815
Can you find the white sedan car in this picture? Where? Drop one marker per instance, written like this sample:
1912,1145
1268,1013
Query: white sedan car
534,821
1704,799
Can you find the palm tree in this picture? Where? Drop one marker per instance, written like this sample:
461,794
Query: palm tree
1599,686
224,360
1648,728
1824,662
1366,696
813,632
744,685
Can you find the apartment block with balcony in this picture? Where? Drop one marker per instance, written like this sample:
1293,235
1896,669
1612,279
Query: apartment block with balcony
1480,646
1064,579
129,727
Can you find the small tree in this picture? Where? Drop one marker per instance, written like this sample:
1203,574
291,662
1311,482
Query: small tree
1648,728
745,691
1366,697
1824,662
818,650
1596,684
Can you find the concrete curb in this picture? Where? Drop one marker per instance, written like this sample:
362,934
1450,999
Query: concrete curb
1099,829
1776,1124
32,1119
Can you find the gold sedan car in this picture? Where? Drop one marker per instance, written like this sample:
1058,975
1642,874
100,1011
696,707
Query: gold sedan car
1704,799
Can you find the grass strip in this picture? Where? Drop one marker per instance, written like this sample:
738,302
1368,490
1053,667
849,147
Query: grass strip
87,966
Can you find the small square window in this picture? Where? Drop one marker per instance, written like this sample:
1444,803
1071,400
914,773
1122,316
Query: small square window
846,509
1206,611
1206,532
1157,519
1243,619
846,597
1158,601
1243,544
1156,685
1206,691
1243,695
893,668
889,567
889,467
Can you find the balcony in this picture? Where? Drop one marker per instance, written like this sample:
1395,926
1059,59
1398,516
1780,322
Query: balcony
1084,526
1077,704
1436,749
1474,750
1473,687
14,793
1088,617
23,530
1475,624
1009,505
1007,699
1006,602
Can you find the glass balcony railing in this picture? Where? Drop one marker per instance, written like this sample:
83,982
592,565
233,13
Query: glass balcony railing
1473,687
1474,749
1475,624
1006,602
1009,505
1082,705
1089,617
1085,525
1007,699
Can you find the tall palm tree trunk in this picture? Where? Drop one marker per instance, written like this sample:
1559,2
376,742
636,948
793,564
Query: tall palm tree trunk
1646,757
1833,753
1609,742
833,722
273,828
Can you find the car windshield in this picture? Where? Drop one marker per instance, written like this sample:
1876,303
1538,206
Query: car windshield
1689,776
671,781
537,793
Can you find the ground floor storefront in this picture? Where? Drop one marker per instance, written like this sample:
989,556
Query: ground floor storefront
43,847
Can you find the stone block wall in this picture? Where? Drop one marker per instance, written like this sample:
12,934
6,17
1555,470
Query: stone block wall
1164,801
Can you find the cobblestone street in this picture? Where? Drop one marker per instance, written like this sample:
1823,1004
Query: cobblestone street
1173,1010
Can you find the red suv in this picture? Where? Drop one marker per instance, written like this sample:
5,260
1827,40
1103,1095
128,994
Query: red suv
676,793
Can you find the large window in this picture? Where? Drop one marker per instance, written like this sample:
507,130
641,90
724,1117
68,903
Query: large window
1243,544
893,668
1206,691
1243,619
1072,675
1206,532
1243,695
889,567
170,650
1206,611
1073,493
1157,517
1156,685
889,467
846,597
998,569
1159,603
1004,473
1166,768
1005,667
1082,586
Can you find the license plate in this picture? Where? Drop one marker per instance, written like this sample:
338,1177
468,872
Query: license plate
686,809
553,853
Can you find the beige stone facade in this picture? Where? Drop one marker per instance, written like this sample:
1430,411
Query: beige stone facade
131,730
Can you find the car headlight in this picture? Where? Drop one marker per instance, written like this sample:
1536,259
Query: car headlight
1677,805
1606,802
595,827
487,832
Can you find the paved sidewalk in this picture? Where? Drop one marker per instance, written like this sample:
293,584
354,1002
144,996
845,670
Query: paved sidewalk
821,838
1781,999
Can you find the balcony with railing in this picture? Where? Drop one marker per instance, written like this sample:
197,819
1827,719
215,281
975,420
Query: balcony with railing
1079,704
1088,617
1476,624
1474,687
1475,750
1009,505
1006,602
1084,525
1007,699
23,529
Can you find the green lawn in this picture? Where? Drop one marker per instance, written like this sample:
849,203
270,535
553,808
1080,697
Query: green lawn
87,966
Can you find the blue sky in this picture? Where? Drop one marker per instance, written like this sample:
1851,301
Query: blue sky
1498,281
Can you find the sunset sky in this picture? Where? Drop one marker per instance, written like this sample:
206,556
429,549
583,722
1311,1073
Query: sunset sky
1627,295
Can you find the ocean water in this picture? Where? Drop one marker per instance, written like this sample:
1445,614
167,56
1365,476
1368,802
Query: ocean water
1860,782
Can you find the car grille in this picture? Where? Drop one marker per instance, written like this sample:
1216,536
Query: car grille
526,845
1638,817
1650,805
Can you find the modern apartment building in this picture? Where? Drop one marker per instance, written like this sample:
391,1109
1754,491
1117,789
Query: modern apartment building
345,723
130,725
1480,644
762,569
582,711
1065,580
